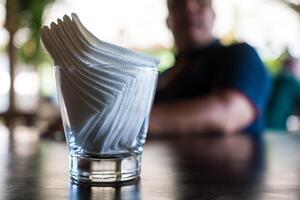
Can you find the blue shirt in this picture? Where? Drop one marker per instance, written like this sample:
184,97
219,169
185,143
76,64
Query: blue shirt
217,68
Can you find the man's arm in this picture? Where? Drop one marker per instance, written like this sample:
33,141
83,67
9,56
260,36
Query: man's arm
228,112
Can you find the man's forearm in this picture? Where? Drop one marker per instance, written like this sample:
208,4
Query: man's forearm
226,112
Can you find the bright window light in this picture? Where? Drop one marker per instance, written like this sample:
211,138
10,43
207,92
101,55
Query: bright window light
5,82
27,83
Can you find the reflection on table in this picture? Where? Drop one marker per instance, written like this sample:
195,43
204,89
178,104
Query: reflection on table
236,167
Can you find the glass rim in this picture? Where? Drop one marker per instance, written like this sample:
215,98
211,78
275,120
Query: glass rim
95,66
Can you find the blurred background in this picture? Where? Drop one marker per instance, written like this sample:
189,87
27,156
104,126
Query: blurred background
27,86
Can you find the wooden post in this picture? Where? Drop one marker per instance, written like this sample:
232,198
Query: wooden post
11,24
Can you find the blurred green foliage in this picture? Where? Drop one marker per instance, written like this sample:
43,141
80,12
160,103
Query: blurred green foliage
275,65
166,57
28,14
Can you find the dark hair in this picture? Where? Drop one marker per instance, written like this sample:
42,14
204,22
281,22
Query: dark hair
174,1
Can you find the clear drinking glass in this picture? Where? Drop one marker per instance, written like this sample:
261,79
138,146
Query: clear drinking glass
105,112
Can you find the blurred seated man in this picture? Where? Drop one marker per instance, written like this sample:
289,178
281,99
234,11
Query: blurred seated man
285,97
211,88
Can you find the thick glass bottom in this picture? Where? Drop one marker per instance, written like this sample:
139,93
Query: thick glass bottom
104,170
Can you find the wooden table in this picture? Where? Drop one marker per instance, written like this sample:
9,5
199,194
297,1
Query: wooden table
211,168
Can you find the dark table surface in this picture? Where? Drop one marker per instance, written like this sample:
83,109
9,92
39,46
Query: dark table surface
183,168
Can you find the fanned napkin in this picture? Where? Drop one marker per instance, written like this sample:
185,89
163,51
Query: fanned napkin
105,90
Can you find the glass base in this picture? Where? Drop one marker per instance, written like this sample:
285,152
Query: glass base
104,170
